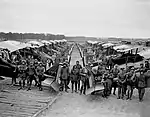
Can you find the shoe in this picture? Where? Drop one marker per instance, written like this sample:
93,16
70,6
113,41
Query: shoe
20,88
66,91
28,89
40,89
114,94
118,98
140,100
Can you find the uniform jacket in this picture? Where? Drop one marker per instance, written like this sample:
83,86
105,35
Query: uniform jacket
64,73
142,81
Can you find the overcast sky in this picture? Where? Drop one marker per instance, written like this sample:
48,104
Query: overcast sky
100,18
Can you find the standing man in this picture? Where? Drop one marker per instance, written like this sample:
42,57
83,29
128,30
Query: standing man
84,77
31,75
115,71
130,76
64,74
121,84
141,85
40,73
73,78
78,68
22,74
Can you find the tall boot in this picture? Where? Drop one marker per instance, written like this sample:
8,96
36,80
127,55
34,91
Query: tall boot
142,94
114,92
81,90
139,91
119,92
79,85
128,94
131,93
24,83
20,84
72,86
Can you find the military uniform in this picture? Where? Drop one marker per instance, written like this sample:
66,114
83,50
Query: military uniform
78,67
115,71
129,81
31,75
104,81
141,85
121,84
22,74
84,78
64,74
73,78
40,73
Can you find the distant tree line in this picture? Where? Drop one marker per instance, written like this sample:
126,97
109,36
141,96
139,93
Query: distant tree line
16,36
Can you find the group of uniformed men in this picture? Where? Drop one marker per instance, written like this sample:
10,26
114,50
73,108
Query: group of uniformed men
29,70
125,79
77,75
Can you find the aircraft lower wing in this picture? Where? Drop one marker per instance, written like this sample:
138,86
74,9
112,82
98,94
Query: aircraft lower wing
98,87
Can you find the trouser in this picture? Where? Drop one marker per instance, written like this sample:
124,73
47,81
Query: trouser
114,85
121,91
22,82
83,87
87,83
105,89
29,80
129,91
35,78
64,82
74,84
141,93
40,81
13,80
78,82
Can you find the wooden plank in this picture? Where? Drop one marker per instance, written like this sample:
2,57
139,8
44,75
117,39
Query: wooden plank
16,114
25,104
18,109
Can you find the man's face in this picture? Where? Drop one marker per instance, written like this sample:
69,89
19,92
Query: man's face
31,64
23,63
77,63
142,72
40,65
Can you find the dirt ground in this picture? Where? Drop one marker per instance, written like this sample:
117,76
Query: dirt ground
75,105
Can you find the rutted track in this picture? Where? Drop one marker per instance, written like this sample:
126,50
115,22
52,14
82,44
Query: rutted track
14,103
